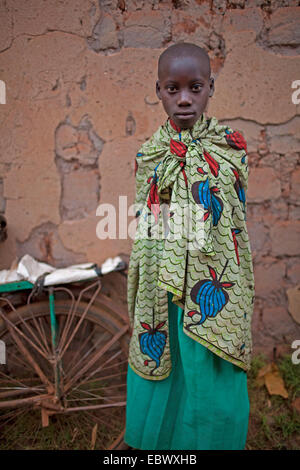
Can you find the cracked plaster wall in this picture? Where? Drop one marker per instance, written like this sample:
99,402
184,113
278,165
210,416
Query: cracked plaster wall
80,79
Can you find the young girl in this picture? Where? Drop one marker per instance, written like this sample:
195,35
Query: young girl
190,296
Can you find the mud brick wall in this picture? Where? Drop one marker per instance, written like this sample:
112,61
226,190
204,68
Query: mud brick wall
80,99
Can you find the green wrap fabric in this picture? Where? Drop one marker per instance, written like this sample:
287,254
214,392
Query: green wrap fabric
192,241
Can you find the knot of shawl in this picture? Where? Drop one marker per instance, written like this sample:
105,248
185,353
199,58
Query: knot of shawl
180,162
182,147
175,161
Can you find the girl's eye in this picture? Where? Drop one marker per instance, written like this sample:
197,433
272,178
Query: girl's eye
197,87
171,88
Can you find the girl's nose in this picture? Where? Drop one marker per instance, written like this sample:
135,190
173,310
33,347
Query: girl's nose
184,99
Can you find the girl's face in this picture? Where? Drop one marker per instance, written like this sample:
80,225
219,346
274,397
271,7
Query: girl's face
184,88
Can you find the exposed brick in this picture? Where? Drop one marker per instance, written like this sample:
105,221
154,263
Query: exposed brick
263,185
294,302
105,35
45,244
254,159
285,236
284,28
80,194
258,235
258,98
268,277
284,138
275,210
279,324
294,212
256,322
85,147
146,29
288,163
270,6
108,5
295,187
255,213
236,3
241,20
219,6
293,270
66,140
268,213
186,26
270,160
81,143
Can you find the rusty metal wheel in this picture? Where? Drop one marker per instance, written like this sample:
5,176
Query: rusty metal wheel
84,376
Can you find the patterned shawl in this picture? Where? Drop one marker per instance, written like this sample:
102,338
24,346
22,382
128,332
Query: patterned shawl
192,241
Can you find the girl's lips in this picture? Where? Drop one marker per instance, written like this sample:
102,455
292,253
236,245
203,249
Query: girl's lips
185,116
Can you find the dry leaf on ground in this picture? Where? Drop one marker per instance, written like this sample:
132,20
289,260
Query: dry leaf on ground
260,379
296,404
270,376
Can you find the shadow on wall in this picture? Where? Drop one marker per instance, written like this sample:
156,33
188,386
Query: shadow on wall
3,228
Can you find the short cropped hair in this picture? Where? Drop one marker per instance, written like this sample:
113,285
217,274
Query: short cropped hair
182,49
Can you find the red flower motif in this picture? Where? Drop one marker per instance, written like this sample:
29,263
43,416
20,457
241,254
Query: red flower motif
213,164
234,232
178,148
191,313
153,198
201,171
236,140
176,128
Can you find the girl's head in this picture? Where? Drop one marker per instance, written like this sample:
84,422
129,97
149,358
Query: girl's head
184,83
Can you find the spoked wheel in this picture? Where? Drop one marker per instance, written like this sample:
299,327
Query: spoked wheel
80,380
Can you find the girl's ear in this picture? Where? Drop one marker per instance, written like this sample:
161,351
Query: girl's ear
212,86
158,90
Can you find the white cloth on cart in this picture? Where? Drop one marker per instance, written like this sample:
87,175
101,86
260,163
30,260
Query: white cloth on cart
29,269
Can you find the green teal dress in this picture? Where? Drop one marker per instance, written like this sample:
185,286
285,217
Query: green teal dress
202,405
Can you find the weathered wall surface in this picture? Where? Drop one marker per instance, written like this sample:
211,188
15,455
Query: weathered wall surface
80,81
